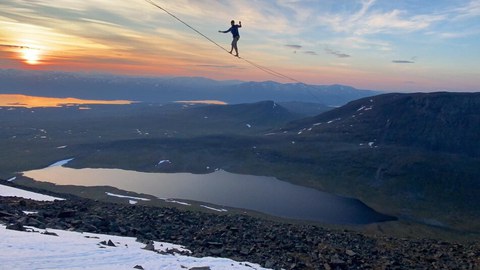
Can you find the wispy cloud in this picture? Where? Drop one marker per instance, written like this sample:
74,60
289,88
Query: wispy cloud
395,21
16,46
464,33
218,66
367,21
297,47
470,10
356,42
136,37
310,52
412,60
457,17
337,53
402,62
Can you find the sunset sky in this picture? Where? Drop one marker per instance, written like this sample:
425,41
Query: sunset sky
404,45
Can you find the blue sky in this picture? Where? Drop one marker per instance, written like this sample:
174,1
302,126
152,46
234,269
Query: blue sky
374,44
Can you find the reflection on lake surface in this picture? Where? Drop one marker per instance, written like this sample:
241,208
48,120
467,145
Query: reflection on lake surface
214,102
264,194
7,100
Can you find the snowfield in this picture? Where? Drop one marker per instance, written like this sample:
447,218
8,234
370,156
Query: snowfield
61,162
11,191
74,250
59,249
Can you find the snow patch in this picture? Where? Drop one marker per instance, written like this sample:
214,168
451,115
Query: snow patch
166,161
11,179
214,209
62,147
139,132
61,162
7,191
127,197
249,126
30,212
331,121
365,108
132,202
177,202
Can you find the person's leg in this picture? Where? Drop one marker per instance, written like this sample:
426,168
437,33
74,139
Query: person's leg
234,44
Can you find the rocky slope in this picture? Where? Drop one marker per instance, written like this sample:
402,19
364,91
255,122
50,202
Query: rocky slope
271,244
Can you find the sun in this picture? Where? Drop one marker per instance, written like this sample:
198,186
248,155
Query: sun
31,56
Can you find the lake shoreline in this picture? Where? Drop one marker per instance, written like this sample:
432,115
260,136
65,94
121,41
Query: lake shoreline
270,243
262,194
101,193
401,227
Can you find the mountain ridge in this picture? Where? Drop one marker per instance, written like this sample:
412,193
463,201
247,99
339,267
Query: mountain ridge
170,89
415,154
428,120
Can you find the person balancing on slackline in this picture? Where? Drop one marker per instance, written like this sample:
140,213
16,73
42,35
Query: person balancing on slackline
235,34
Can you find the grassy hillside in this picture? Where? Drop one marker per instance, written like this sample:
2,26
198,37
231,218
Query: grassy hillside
35,137
415,156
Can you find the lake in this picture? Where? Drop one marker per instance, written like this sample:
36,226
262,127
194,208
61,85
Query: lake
259,193
16,100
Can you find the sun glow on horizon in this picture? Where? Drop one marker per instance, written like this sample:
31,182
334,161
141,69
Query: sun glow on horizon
31,56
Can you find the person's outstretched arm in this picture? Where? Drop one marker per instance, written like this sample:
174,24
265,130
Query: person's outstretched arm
239,24
220,31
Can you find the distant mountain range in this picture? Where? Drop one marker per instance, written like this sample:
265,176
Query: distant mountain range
167,89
